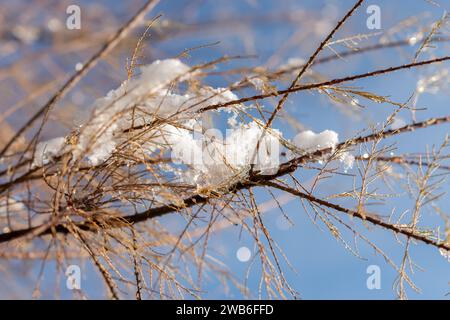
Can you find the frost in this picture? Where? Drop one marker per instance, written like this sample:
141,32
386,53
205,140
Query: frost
78,66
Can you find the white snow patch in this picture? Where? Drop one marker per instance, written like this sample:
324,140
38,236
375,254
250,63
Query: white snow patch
48,150
308,142
397,123
291,63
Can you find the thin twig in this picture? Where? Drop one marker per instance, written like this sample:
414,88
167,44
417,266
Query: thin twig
75,78
324,84
254,180
366,216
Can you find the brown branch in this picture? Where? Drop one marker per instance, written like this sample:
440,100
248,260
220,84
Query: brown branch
311,61
299,88
253,180
75,78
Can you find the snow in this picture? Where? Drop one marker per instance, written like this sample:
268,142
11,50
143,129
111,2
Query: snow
216,159
347,161
208,157
310,141
97,137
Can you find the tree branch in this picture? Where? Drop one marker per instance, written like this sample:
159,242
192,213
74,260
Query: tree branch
88,65
324,84
252,181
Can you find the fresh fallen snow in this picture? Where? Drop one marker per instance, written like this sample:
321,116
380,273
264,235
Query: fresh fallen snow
310,141
47,150
257,82
397,123
210,158
216,159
